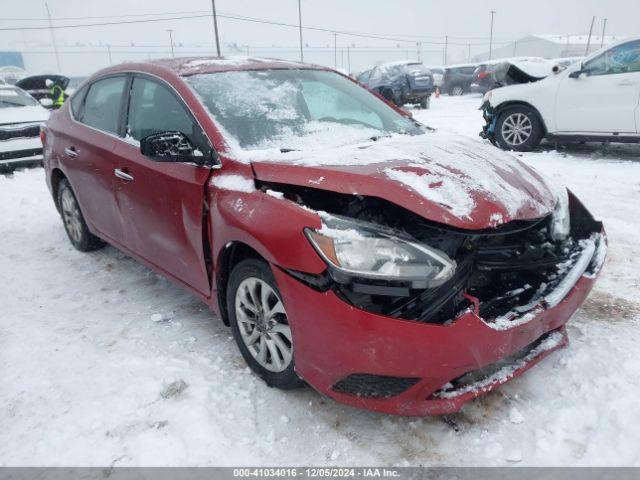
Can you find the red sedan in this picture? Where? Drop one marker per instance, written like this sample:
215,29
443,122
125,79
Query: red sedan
389,266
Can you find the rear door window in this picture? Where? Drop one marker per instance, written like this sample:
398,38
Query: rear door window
102,104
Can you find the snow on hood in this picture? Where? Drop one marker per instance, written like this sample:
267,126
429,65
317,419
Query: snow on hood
34,113
440,176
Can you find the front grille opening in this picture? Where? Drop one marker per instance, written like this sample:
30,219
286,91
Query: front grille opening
374,386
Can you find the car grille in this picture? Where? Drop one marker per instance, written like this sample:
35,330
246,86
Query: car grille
27,130
373,386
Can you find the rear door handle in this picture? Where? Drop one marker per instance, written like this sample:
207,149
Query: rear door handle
71,152
122,175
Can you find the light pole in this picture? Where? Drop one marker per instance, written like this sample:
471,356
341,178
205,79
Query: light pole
491,35
300,27
604,28
335,50
446,48
215,25
171,41
593,20
53,38
109,51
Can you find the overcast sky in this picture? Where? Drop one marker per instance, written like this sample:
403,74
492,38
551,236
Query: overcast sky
465,21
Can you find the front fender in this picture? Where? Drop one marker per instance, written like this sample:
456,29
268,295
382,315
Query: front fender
272,226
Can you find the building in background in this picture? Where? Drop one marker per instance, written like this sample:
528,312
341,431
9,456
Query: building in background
548,46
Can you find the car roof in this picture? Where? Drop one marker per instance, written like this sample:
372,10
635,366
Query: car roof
186,66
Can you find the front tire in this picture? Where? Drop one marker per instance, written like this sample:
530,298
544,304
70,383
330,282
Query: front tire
518,129
73,220
260,325
425,103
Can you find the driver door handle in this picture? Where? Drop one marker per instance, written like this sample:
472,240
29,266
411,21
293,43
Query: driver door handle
71,152
122,175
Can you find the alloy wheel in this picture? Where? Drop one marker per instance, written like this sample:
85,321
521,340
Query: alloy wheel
516,129
71,215
263,325
457,91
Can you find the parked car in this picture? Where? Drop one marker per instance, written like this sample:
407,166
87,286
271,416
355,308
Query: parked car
438,76
512,71
36,86
401,82
21,117
593,100
390,266
457,79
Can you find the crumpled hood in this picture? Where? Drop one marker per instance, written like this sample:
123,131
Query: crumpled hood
439,176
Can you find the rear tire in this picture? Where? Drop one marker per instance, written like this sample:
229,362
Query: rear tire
73,220
425,102
260,325
518,129
456,91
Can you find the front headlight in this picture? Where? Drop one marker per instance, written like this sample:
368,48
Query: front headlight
362,250
561,221
487,96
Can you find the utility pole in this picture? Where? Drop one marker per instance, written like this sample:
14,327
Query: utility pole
53,38
419,50
300,28
215,26
469,46
604,28
171,41
590,33
335,50
109,51
446,47
493,12
349,59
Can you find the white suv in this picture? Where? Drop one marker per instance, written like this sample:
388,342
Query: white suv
594,100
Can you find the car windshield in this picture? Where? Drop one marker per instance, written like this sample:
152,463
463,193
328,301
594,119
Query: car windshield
295,109
12,97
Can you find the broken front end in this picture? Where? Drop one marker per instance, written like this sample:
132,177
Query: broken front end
416,318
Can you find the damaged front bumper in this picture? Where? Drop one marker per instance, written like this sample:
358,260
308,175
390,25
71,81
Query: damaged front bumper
416,361
489,128
410,368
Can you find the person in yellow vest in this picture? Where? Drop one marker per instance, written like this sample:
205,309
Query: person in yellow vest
57,93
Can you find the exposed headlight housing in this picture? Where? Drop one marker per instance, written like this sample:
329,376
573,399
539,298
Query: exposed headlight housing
359,249
561,218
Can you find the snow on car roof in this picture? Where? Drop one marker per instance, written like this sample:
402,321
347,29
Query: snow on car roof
195,65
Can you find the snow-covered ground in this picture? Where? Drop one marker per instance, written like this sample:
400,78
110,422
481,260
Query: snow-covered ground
104,362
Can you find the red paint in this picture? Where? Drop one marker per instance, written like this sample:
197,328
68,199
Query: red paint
163,217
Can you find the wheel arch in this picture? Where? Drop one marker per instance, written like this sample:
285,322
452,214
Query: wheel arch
232,254
57,176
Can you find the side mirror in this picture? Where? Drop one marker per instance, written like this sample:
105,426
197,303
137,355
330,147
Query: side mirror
171,147
579,73
558,68
46,102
